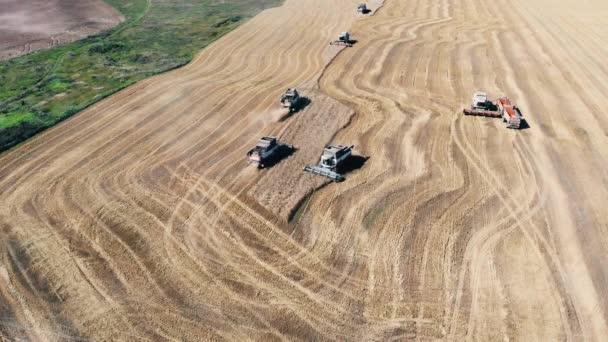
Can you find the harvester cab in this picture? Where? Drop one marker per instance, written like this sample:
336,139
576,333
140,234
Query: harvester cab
332,160
334,156
291,99
344,37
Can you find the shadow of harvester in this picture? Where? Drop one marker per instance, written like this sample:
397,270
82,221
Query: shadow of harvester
284,151
353,163
302,103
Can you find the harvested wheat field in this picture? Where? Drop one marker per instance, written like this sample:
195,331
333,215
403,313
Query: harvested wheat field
139,218
30,25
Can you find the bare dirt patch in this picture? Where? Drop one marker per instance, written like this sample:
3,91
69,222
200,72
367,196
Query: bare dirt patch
27,26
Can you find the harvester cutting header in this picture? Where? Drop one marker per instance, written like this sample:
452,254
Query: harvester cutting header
501,107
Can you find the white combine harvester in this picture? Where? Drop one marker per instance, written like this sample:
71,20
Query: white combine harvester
362,9
331,163
263,152
343,40
480,101
291,99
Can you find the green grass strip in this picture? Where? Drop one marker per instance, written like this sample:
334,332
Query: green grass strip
41,89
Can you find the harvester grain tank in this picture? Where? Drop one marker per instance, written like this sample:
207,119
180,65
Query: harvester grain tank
291,99
265,149
499,108
344,39
331,163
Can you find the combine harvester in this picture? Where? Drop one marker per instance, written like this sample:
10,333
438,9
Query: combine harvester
265,151
343,40
362,9
291,99
332,161
501,107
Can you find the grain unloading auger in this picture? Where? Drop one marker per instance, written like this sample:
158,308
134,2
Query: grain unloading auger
332,162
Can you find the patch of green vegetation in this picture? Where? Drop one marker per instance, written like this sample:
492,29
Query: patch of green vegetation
39,90
15,118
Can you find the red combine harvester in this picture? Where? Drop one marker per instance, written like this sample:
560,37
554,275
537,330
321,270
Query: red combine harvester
501,107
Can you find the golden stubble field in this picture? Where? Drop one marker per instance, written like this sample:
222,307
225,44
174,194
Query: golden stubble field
139,219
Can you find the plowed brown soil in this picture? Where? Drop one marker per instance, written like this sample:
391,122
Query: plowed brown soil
139,219
30,25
